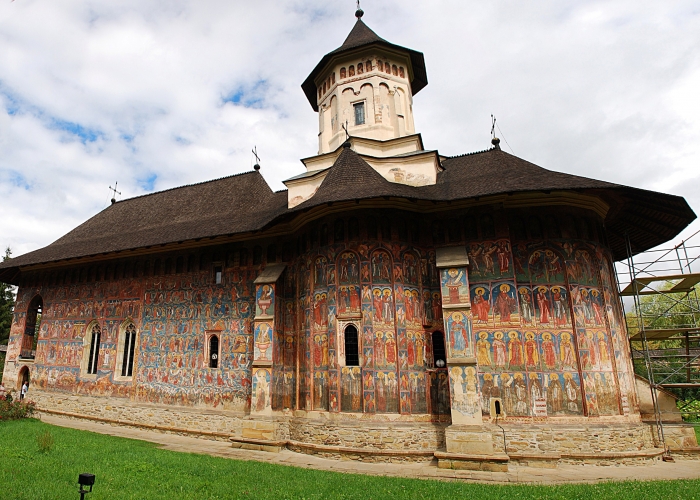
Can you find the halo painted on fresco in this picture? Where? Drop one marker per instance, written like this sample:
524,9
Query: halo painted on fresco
505,287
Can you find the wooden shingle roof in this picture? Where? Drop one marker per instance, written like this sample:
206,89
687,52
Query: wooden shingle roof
244,203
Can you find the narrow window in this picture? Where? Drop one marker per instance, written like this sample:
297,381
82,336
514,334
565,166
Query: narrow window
342,73
213,351
179,265
324,235
360,68
359,113
439,358
95,335
129,345
244,257
368,65
470,228
352,347
190,263
351,70
218,274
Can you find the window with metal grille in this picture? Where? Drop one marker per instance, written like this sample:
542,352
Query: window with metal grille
213,351
94,349
359,113
129,345
352,346
439,357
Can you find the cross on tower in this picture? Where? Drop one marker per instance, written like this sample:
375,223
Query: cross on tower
493,126
345,127
115,193
257,158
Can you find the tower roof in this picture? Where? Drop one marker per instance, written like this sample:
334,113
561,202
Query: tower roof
362,36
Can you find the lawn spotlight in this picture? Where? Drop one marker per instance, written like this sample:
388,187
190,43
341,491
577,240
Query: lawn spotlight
85,479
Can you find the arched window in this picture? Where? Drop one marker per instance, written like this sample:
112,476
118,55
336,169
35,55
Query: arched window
380,65
31,328
156,268
439,356
351,70
402,73
360,68
387,67
352,346
368,66
94,351
127,345
342,72
394,70
244,257
214,351
271,253
324,235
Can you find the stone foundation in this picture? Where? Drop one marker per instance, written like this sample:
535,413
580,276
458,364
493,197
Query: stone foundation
385,438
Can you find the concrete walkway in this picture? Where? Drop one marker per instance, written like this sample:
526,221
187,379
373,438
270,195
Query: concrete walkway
681,469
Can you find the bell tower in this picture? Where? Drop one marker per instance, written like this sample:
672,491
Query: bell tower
366,85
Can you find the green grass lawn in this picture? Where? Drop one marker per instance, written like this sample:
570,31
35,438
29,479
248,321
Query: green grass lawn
135,469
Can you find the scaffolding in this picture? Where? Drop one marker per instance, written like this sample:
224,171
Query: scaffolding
659,294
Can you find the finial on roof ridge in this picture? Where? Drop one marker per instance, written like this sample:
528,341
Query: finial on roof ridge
496,143
359,12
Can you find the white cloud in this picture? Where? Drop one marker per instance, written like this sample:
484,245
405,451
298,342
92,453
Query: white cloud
92,92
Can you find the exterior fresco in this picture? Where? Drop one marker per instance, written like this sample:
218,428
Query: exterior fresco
535,324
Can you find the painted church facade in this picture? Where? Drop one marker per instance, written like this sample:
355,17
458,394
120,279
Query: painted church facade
392,303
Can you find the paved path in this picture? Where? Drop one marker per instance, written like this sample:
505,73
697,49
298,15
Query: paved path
681,469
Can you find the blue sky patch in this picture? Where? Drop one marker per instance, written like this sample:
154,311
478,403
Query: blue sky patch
148,183
84,134
248,96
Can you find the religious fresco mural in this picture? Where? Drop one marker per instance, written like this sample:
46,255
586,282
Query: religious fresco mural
542,340
544,326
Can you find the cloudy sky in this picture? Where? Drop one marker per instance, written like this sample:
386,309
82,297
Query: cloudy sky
159,93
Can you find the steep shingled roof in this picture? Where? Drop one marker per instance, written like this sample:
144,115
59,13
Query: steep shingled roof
202,210
352,178
360,36
244,202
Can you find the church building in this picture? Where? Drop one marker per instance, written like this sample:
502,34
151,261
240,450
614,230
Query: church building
392,303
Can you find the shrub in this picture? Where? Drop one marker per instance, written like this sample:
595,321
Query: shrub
45,442
15,410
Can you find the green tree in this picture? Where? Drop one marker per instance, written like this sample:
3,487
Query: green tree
7,305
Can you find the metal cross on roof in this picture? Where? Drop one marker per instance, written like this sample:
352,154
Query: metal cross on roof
115,193
257,158
345,127
493,126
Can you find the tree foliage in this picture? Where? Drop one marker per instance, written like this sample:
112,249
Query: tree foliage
7,304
